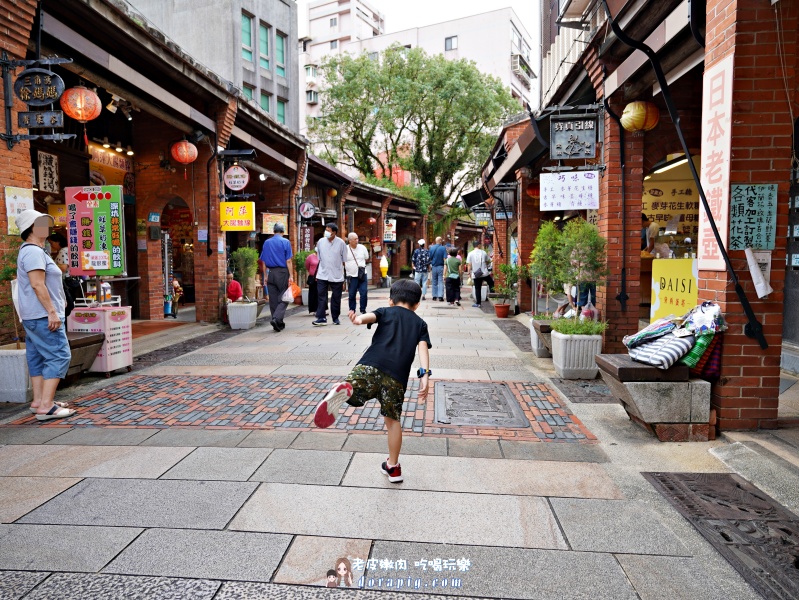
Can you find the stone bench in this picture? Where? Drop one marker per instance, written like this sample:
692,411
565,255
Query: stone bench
84,348
668,403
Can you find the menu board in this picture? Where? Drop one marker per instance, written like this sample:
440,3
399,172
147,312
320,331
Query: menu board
753,216
96,240
573,190
114,322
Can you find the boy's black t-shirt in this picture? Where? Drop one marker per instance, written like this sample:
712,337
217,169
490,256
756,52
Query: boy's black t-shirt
399,331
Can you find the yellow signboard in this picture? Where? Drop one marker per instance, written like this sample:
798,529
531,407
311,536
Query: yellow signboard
237,216
59,214
674,286
270,219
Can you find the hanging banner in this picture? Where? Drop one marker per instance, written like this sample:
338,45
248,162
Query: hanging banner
108,167
237,216
48,172
270,219
96,223
390,230
17,200
716,154
306,238
675,201
753,216
575,190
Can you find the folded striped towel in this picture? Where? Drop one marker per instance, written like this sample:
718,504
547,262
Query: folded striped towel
663,352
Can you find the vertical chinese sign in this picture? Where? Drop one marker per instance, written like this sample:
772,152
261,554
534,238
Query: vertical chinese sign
96,241
306,237
716,143
48,172
753,216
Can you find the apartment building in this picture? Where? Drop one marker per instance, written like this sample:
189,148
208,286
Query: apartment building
252,43
496,41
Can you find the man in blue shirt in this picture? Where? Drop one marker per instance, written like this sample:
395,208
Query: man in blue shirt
276,255
438,253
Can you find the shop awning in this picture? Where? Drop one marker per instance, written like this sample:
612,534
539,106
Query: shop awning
530,146
475,198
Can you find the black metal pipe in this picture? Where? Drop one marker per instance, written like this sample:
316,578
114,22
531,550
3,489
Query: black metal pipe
209,251
622,297
753,328
697,17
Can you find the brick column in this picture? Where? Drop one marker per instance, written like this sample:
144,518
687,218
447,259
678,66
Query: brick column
15,164
294,194
746,395
529,222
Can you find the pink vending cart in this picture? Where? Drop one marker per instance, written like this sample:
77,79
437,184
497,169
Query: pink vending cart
114,322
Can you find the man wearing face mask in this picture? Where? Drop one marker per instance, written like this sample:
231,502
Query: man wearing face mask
332,252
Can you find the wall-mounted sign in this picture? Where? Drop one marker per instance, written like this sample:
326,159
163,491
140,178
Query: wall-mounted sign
390,230
307,210
96,223
753,216
154,217
38,87
41,118
483,218
236,178
268,221
48,172
237,216
573,190
572,136
107,167
17,200
306,238
673,201
59,214
716,155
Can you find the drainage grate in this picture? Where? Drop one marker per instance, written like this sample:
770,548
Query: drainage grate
481,404
757,535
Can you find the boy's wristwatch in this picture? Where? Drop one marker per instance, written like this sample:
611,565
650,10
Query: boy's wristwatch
422,372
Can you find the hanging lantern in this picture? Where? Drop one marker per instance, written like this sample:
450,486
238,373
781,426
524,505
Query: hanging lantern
640,116
185,153
533,189
372,220
332,193
82,104
413,224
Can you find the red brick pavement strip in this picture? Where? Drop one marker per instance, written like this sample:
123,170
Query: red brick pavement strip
226,402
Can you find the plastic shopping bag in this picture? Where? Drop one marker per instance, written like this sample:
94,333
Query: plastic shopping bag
288,296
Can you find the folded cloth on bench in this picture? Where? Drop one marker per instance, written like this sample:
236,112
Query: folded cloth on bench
663,352
703,341
651,332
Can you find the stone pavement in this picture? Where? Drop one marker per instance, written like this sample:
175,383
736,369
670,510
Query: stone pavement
202,476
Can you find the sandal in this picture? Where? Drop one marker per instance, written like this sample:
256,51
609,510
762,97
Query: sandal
60,404
57,412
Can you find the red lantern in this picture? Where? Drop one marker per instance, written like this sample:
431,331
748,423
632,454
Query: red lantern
533,189
332,193
372,220
413,224
82,104
185,153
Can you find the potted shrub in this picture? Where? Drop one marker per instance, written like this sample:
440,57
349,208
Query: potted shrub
543,266
582,260
245,266
506,288
302,275
16,386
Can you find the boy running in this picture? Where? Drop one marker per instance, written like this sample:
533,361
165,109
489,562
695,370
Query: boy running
382,372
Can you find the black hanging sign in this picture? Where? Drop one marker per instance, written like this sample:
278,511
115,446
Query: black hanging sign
44,118
38,87
573,136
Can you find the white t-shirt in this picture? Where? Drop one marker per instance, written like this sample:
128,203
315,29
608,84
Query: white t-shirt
652,232
356,257
477,259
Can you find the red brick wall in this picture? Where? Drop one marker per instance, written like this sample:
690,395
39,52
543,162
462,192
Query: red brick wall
746,397
16,20
529,222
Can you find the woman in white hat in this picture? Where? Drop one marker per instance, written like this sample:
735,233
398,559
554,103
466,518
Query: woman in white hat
41,307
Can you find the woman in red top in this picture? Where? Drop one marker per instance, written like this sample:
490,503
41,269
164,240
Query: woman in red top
234,291
311,265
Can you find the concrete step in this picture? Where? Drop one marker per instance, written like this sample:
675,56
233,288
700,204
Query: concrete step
769,460
790,358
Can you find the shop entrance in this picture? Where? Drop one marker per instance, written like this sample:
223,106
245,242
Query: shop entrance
177,225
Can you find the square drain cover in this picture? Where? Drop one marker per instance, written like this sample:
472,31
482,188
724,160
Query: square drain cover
483,404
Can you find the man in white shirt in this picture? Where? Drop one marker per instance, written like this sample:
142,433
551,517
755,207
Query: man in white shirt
355,269
332,252
477,267
649,232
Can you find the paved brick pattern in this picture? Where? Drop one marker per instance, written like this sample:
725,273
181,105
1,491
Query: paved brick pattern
226,402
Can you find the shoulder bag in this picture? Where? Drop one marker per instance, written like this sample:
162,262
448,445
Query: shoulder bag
361,270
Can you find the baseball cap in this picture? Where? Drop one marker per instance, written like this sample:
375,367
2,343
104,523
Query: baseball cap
421,242
26,218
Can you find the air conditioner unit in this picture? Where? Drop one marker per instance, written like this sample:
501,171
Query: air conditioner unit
520,68
312,97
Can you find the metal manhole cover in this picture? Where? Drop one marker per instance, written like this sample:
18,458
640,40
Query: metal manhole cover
482,404
756,534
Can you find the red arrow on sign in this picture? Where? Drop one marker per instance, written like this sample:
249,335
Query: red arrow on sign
81,196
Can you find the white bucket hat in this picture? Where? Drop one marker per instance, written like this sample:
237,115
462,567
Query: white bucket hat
26,218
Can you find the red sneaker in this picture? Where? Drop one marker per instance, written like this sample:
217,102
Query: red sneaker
394,473
327,410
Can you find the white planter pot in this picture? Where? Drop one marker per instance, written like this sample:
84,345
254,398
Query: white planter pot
539,348
16,386
242,315
305,292
573,355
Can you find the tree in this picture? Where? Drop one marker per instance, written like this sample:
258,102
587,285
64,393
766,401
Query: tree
433,117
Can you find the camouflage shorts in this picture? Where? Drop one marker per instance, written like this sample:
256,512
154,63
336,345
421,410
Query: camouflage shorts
369,382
